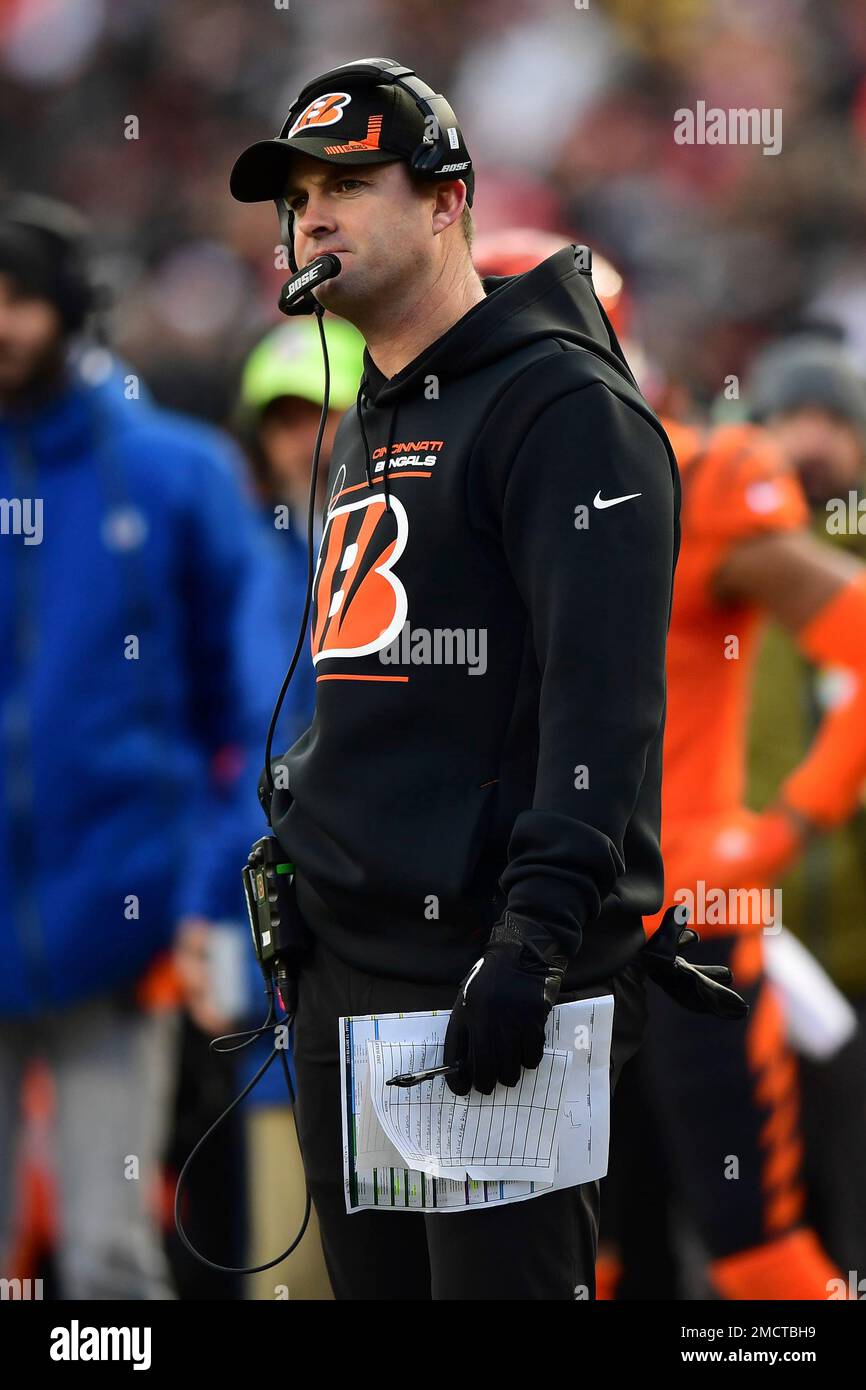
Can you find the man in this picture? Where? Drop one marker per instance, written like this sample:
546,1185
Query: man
126,723
741,498
747,555
480,828
737,1146
811,396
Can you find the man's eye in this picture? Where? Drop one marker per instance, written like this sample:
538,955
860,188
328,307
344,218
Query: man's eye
297,203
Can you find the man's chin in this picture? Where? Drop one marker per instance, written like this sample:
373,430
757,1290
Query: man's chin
342,294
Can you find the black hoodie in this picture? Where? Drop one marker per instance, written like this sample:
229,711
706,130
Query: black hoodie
492,599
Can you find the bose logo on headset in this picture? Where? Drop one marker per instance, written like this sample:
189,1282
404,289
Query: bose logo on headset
305,277
453,168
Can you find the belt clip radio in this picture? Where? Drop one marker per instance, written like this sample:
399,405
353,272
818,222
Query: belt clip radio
281,938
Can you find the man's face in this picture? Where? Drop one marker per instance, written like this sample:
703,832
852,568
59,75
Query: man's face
825,451
31,334
371,216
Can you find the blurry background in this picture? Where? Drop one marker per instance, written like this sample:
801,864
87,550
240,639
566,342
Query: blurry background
569,113
134,112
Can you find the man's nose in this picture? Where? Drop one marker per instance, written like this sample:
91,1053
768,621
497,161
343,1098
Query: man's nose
316,216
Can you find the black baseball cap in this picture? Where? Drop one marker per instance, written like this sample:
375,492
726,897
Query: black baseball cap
350,123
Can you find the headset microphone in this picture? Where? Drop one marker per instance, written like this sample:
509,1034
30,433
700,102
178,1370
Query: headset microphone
296,296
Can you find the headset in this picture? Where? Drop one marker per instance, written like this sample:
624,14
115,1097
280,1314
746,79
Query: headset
426,161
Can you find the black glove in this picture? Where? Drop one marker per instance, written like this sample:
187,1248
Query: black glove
701,988
497,1023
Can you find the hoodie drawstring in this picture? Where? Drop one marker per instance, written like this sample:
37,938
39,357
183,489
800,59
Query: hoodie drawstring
362,392
390,437
368,466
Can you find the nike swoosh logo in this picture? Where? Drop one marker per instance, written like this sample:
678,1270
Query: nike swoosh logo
600,502
471,976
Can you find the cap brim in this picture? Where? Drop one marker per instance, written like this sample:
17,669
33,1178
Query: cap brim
262,171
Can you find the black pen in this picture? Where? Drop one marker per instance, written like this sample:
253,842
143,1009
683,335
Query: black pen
414,1078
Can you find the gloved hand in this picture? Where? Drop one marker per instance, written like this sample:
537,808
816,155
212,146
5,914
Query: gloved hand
701,988
497,1023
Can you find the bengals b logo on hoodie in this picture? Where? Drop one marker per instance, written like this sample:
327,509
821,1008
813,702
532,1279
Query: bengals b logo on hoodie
359,604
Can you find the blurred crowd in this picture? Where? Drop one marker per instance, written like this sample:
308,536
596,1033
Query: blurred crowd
133,114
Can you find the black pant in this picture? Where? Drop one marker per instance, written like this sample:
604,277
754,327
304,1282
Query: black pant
543,1248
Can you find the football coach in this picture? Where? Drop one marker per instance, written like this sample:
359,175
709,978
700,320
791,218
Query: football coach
473,814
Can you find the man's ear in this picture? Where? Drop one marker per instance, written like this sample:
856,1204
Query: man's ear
450,200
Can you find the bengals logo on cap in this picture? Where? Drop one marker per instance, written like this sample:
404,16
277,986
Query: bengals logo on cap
359,604
323,110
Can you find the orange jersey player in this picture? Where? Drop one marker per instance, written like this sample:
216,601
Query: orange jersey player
727,1092
730,1098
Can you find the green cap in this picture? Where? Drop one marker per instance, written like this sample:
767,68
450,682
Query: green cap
288,362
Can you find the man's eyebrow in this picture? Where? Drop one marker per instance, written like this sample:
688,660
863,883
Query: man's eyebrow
291,189
329,176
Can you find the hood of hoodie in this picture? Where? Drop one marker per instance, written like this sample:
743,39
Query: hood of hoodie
556,299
